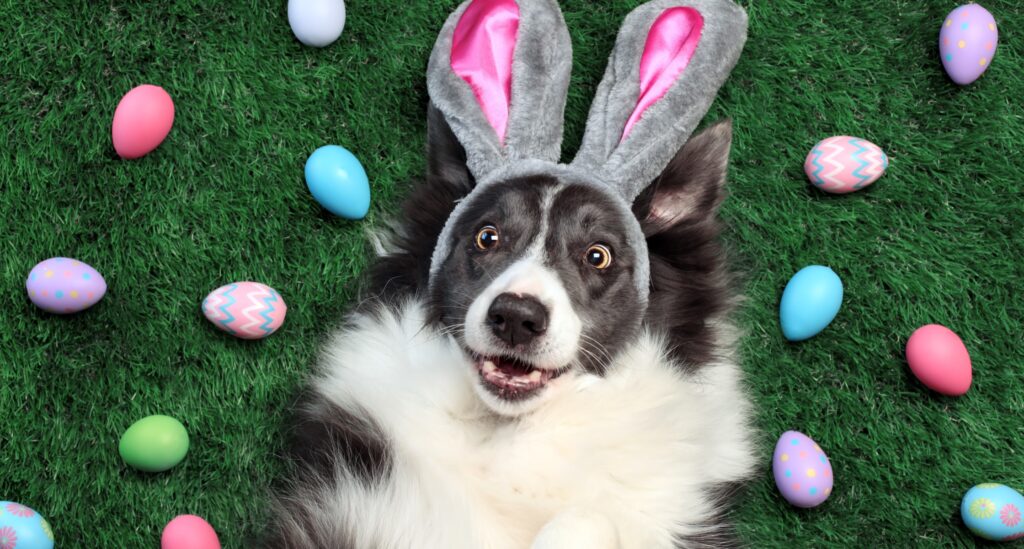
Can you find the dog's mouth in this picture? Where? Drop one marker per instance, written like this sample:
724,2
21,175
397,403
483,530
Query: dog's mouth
513,379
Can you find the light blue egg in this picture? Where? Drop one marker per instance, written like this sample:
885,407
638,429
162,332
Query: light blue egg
338,182
993,512
23,528
810,301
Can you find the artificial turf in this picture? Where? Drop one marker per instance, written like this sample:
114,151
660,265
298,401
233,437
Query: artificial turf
939,239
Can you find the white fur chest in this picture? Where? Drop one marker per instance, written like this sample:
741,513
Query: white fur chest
634,452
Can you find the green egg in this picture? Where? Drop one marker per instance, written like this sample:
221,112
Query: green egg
154,444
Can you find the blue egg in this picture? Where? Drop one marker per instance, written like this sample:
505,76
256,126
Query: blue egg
810,301
338,182
993,512
23,528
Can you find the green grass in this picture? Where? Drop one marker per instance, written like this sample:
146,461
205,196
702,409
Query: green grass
939,239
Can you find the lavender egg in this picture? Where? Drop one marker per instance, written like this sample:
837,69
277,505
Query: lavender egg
968,42
802,471
62,285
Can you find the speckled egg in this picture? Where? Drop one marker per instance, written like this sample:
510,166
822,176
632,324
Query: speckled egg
802,471
62,285
247,310
843,164
189,532
993,512
23,528
968,42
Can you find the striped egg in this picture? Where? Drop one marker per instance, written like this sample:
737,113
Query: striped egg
844,164
247,310
968,42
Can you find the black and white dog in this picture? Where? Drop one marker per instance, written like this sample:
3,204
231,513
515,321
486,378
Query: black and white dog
523,390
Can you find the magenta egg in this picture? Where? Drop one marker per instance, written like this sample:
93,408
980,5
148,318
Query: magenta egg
142,121
63,285
189,532
968,42
803,473
938,358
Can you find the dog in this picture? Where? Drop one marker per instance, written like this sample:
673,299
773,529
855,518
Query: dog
543,382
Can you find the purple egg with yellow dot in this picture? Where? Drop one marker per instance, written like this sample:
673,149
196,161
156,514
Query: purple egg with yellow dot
62,285
802,471
968,42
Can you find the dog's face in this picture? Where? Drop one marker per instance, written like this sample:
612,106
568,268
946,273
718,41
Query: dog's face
539,284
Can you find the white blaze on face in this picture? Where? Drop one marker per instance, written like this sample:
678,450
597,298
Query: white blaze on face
527,277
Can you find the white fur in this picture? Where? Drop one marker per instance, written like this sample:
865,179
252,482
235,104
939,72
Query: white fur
615,462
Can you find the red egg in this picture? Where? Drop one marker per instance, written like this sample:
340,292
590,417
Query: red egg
142,121
189,532
940,360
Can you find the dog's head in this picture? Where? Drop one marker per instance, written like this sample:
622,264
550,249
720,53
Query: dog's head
540,285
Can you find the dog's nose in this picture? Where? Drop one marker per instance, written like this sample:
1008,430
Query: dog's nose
517,320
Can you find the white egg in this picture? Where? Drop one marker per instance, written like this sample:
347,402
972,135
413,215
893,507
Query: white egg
316,22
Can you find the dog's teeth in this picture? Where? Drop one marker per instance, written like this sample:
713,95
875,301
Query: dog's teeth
535,375
489,366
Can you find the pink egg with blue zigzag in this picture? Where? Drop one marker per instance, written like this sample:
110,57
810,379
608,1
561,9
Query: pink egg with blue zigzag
845,164
247,310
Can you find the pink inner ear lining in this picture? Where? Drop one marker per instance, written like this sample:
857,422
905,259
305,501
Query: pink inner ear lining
671,43
482,48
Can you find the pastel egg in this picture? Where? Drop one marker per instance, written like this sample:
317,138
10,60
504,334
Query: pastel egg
993,512
63,285
968,42
810,302
23,528
142,121
843,164
189,532
803,473
154,444
938,358
247,310
338,182
316,23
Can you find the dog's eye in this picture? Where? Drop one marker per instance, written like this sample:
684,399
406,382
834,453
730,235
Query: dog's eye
487,237
599,256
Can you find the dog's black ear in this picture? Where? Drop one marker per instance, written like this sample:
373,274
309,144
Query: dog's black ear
446,158
691,187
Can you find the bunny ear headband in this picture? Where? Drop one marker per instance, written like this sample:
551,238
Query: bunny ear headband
499,74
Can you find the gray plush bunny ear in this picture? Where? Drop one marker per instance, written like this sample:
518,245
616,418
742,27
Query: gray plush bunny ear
499,74
669,61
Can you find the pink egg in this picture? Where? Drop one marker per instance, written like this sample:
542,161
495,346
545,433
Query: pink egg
939,359
142,120
63,285
968,42
248,310
189,532
844,164
803,473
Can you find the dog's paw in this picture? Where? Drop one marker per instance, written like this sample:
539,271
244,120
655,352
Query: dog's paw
577,529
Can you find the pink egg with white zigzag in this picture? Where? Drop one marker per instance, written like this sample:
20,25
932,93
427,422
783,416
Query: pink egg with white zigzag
845,164
247,310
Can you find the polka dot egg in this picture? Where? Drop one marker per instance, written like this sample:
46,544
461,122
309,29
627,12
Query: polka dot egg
23,528
802,471
62,285
968,42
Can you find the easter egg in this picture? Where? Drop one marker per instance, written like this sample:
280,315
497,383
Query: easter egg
316,22
802,471
248,310
968,42
62,285
154,444
189,532
338,182
993,512
810,302
23,528
939,359
142,120
844,164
